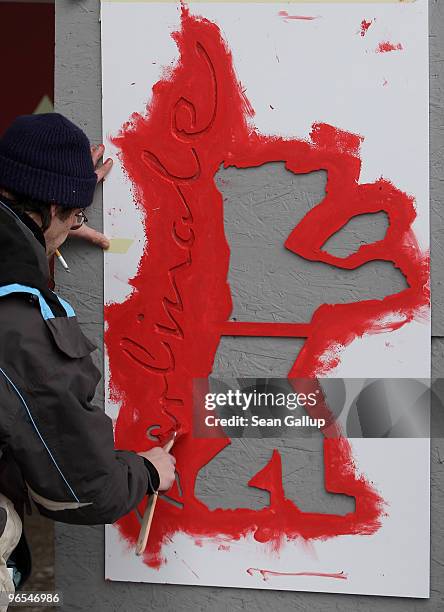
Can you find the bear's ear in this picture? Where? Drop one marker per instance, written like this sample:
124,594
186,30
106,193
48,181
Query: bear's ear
363,229
339,239
389,211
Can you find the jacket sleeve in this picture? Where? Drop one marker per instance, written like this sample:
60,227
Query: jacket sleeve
64,445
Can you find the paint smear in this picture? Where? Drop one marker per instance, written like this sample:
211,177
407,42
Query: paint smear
267,573
386,47
287,17
365,25
167,332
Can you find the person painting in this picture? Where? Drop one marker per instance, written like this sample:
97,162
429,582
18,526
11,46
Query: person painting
56,447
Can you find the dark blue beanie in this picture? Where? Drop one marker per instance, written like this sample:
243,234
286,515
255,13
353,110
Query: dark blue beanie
48,158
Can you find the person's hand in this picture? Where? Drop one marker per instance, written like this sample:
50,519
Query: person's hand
164,464
85,232
91,235
97,152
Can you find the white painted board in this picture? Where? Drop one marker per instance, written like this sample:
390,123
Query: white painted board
325,71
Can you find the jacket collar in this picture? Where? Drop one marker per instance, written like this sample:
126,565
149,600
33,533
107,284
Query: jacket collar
32,225
22,249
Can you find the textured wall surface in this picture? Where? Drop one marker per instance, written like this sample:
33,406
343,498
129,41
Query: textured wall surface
260,194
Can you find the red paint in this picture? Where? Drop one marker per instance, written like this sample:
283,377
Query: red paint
365,25
386,47
266,573
288,17
198,119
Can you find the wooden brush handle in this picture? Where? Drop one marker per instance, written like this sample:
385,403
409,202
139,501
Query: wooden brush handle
149,513
146,524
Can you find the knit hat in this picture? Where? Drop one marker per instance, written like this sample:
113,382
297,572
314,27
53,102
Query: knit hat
46,157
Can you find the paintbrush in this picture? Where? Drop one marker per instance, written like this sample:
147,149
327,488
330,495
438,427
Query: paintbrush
149,511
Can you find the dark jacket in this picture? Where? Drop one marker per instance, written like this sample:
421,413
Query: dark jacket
56,446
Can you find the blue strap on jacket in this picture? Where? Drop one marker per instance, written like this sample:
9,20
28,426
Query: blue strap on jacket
44,306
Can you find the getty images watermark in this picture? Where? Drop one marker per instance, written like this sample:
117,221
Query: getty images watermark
254,401
352,407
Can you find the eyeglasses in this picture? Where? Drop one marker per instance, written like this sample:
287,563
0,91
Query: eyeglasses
81,218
